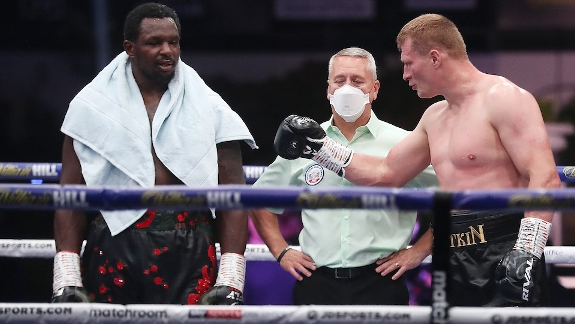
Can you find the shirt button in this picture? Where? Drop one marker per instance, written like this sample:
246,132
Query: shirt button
346,217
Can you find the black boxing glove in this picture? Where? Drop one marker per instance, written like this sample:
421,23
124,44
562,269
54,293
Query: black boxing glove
67,286
70,295
229,286
222,295
287,144
303,137
518,273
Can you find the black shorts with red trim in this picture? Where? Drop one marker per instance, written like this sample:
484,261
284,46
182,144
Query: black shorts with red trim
165,257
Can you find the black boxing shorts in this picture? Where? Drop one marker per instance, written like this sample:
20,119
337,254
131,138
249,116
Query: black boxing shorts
478,241
165,257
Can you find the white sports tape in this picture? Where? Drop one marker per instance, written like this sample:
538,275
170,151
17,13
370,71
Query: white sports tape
232,272
333,156
66,270
533,234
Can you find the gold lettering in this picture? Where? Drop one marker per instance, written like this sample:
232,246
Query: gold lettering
13,170
467,237
171,198
545,201
21,198
460,242
480,235
313,200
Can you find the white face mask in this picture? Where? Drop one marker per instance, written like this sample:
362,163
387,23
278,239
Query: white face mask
349,102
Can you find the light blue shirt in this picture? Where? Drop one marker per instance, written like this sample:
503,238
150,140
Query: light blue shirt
348,237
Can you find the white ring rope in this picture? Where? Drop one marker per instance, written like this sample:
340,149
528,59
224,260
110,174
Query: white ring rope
254,252
138,314
116,314
12,248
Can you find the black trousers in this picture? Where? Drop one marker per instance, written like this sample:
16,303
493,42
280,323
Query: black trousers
368,289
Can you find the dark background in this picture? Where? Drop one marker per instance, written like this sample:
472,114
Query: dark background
89,33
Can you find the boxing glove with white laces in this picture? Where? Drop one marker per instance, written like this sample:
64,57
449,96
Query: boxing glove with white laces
67,286
229,286
520,270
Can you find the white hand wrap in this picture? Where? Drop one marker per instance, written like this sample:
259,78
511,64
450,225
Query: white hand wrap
533,234
232,271
333,156
66,270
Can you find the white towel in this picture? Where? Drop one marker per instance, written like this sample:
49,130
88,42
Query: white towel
113,138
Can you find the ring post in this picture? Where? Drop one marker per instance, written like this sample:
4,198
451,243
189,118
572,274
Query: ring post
442,204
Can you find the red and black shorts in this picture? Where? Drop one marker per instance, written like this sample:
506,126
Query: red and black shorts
166,257
479,240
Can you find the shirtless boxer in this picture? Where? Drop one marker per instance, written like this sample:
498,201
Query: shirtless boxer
487,134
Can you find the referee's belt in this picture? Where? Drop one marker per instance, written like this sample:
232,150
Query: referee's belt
347,273
474,229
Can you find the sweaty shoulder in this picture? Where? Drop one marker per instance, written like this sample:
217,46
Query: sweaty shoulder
499,88
502,94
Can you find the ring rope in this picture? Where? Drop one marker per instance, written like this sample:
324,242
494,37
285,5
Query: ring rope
111,313
89,313
79,197
24,248
50,172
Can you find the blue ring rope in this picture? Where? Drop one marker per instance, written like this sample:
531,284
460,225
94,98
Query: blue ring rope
50,172
51,196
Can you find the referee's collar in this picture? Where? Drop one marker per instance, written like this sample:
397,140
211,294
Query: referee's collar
370,127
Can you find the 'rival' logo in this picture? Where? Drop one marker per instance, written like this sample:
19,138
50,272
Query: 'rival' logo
528,278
